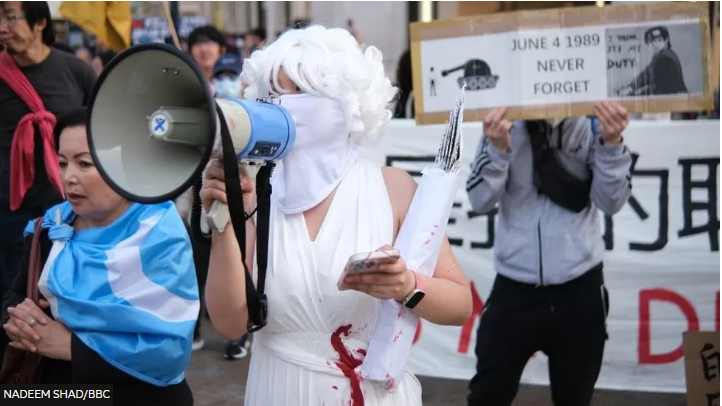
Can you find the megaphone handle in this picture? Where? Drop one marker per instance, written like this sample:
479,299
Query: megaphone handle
218,216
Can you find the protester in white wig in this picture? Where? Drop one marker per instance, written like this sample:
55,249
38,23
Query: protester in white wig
327,205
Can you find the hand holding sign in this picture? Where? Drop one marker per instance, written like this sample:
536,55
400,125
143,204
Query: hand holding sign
614,119
496,129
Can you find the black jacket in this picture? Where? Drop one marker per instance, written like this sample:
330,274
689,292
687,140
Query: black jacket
662,76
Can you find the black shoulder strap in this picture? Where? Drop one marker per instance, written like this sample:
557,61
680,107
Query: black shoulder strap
255,298
263,214
560,127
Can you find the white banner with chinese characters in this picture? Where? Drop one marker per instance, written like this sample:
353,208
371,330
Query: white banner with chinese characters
662,266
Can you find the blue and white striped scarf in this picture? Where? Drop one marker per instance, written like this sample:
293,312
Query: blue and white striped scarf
128,291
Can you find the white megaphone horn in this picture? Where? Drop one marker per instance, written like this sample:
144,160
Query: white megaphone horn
153,126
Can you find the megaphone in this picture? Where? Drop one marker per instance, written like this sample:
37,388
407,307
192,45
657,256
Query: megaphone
153,124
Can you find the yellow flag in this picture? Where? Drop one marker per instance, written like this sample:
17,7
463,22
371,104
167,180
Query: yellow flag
109,21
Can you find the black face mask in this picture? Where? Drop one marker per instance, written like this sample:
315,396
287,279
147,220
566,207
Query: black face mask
550,177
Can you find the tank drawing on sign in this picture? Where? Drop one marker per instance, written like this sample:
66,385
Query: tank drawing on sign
477,75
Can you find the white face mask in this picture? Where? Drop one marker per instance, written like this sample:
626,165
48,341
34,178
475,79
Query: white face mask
227,87
320,157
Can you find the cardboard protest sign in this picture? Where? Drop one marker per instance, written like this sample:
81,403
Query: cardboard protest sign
701,364
559,63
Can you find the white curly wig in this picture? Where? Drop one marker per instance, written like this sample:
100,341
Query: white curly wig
327,62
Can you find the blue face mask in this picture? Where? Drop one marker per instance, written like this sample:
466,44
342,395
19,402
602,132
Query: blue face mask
227,87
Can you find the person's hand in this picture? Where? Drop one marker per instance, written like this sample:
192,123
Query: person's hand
46,337
387,281
214,188
497,129
22,324
614,119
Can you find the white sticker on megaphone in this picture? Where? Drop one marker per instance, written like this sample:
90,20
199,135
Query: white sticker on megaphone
159,125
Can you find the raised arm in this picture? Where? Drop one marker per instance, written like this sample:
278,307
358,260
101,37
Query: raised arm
226,284
489,171
610,160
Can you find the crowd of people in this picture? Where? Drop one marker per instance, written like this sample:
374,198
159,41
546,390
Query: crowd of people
111,291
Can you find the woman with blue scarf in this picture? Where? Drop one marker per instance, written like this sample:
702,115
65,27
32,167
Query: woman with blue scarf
119,296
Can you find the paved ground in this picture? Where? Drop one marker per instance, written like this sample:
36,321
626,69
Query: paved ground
217,382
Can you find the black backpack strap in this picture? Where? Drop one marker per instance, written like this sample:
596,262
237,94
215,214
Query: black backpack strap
256,301
560,127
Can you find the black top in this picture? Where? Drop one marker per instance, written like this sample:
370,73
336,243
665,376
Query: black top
662,76
86,366
64,83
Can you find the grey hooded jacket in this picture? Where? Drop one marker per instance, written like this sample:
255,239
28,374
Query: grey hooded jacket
539,242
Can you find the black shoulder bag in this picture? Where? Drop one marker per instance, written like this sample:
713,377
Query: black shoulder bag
550,177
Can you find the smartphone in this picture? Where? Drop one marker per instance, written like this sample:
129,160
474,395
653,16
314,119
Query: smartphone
368,261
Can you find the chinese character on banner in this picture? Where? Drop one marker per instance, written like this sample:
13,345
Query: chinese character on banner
708,205
662,220
710,362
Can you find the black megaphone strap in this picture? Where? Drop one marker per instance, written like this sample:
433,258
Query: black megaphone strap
255,297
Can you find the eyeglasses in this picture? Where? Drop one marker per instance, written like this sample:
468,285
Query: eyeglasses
11,19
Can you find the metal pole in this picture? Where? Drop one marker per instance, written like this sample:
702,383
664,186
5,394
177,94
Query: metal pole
175,14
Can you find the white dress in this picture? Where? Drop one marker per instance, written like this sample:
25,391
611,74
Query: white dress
293,361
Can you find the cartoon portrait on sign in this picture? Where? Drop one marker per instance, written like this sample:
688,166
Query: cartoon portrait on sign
654,60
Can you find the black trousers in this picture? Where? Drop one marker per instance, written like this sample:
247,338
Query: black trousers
567,322
201,259
11,263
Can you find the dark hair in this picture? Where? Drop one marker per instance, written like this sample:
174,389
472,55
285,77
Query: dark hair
205,33
259,32
73,118
652,32
105,57
301,23
35,12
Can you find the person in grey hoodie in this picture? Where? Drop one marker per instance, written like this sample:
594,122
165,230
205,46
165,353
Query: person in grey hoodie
549,292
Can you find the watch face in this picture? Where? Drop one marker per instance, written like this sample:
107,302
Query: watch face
414,299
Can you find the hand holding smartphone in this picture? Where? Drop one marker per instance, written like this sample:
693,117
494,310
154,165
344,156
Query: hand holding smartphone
368,262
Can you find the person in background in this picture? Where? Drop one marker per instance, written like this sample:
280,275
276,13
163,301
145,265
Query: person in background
226,76
102,58
84,55
549,293
405,102
101,318
58,82
254,40
301,23
205,45
227,81
351,27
